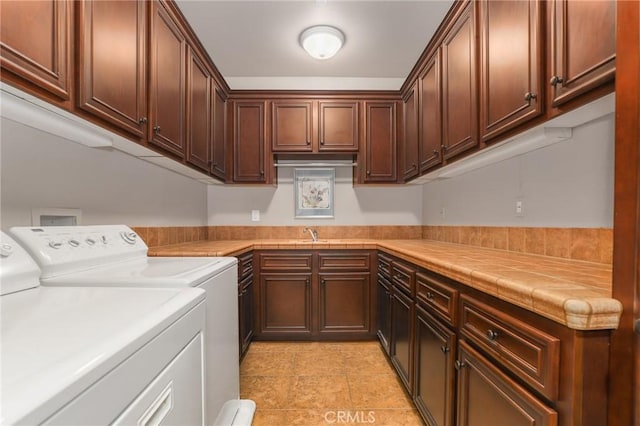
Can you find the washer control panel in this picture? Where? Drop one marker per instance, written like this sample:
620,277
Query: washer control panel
65,249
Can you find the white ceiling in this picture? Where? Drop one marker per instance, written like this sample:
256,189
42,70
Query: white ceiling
255,45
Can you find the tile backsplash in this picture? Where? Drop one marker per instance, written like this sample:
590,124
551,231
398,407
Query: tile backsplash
589,244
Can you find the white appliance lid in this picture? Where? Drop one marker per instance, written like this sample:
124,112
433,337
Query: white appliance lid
149,272
57,341
18,271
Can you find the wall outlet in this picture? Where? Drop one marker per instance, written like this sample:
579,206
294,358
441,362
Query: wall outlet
442,212
519,209
255,215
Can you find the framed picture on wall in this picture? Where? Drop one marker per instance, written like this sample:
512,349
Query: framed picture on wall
313,192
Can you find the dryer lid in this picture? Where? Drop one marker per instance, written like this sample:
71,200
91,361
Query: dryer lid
18,271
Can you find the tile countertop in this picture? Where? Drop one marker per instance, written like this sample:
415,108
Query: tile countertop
573,293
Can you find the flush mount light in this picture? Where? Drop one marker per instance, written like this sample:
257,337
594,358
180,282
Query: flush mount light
322,41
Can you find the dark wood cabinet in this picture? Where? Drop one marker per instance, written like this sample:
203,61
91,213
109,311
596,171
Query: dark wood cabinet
459,86
401,336
338,126
435,351
245,301
118,96
380,146
167,82
292,126
430,115
383,313
411,147
487,396
198,112
315,295
219,138
582,47
35,45
511,65
250,160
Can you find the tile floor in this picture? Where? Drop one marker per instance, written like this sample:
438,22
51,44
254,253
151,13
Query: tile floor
317,383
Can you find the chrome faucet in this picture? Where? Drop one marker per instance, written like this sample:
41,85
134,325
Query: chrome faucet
313,233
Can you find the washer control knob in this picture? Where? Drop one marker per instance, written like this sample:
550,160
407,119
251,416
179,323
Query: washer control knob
90,241
6,250
55,245
103,239
74,243
129,237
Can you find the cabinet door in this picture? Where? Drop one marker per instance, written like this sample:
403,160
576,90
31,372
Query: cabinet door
430,117
249,155
167,82
198,112
344,303
285,304
112,70
434,370
338,124
219,140
459,91
510,90
291,126
401,333
486,396
35,43
245,310
583,47
380,142
411,151
383,313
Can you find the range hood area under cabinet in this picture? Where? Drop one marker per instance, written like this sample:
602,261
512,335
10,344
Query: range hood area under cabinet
460,98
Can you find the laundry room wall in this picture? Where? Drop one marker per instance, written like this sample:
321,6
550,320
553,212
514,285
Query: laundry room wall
44,171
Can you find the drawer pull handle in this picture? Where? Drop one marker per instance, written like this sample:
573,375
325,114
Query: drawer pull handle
460,364
492,335
323,281
429,295
444,349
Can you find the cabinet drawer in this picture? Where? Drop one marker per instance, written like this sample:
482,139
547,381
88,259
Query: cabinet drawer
403,276
245,265
344,261
244,284
531,354
286,262
437,297
384,266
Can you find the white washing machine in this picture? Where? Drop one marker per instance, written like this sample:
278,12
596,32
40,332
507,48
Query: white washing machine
115,256
97,356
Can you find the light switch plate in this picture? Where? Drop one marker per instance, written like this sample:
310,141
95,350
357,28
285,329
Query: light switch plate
255,215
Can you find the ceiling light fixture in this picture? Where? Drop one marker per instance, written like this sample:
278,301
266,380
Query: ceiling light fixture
321,41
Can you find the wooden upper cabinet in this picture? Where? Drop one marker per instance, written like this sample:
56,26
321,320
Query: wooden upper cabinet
112,78
511,89
379,143
459,88
430,114
249,149
292,126
338,126
583,47
411,151
198,112
167,82
219,140
35,45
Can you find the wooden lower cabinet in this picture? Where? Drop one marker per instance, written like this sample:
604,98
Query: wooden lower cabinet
383,313
487,396
434,356
315,295
245,310
401,333
285,304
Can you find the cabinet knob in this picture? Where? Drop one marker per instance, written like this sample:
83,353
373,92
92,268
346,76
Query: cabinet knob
143,120
368,172
308,142
157,129
436,152
429,295
443,147
555,80
261,172
322,142
444,349
306,281
413,166
460,364
323,281
492,335
530,96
